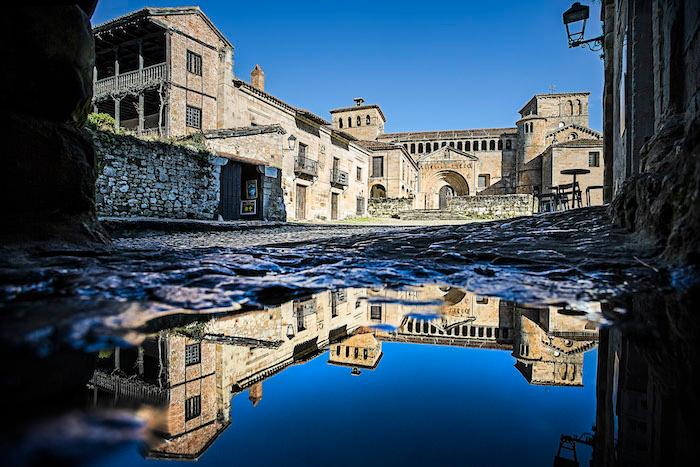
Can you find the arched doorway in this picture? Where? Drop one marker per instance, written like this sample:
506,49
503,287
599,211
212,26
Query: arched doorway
377,191
446,192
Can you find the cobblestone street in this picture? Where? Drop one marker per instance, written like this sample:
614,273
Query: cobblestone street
260,235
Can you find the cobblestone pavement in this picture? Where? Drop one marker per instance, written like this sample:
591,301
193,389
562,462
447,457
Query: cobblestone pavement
259,236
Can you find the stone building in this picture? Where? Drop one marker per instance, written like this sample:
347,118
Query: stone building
552,135
169,72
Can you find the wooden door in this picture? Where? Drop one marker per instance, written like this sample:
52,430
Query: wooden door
301,202
446,192
230,194
334,206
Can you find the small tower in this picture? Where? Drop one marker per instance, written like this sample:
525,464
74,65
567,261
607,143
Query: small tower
257,78
363,121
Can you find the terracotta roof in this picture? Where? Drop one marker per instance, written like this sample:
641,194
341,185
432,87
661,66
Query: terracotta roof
359,107
585,129
579,143
160,11
448,134
370,144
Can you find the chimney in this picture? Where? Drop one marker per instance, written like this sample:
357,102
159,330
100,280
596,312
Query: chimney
257,78
359,101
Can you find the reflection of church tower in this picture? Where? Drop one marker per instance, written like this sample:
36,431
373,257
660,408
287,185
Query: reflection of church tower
255,393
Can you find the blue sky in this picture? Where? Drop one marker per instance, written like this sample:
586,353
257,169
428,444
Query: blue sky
430,65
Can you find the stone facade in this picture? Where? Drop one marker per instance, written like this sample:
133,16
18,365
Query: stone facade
651,102
156,179
490,206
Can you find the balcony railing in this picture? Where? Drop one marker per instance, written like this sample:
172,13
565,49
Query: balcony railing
339,177
305,166
137,79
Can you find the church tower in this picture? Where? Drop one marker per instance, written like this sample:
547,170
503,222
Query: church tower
363,121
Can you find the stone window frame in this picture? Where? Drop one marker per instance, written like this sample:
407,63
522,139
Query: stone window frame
193,407
359,121
375,312
368,120
381,171
594,159
487,181
358,174
193,354
193,117
194,63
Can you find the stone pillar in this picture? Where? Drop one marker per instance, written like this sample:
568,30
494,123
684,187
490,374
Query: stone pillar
141,103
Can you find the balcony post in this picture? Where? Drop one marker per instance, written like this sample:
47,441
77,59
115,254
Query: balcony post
141,94
117,105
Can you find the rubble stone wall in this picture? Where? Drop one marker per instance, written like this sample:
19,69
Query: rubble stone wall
154,178
388,207
491,206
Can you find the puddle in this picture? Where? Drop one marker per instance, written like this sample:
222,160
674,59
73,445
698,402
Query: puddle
383,374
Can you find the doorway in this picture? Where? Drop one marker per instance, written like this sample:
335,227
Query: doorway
334,206
230,184
301,202
446,192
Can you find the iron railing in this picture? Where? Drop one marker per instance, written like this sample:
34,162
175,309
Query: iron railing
339,177
132,80
305,166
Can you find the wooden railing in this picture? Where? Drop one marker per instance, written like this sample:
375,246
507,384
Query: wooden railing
132,80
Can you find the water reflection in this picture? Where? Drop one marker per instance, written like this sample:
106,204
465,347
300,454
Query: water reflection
192,373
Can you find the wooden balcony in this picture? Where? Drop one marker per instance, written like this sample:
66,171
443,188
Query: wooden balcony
131,81
303,166
339,177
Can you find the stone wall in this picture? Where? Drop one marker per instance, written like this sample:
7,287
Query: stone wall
388,207
154,178
491,206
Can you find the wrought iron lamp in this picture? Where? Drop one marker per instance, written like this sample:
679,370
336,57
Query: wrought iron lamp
575,19
291,142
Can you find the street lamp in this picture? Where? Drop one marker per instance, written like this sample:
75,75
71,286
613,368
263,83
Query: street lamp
575,22
291,142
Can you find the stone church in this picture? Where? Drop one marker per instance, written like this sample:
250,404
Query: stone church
433,166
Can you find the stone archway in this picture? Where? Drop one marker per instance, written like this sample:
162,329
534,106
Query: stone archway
441,185
377,191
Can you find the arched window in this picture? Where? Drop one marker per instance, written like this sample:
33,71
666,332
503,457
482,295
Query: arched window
509,144
340,122
359,121
377,191
405,145
413,148
420,148
483,145
579,107
459,145
443,144
349,122
569,108
492,145
452,144
467,145
435,146
573,136
368,120
500,144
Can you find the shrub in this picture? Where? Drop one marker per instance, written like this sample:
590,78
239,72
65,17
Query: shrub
101,121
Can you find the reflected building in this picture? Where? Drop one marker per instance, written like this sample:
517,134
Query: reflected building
194,372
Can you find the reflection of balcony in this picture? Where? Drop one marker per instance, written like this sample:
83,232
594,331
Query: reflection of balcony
305,307
339,177
133,80
305,166
130,388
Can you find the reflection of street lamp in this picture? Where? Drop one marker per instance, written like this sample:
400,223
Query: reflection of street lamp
575,22
290,331
291,142
355,371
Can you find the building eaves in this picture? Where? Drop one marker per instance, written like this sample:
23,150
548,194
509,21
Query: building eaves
579,143
553,94
359,107
244,131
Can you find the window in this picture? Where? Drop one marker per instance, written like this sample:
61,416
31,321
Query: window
459,145
484,145
378,166
194,63
573,136
193,407
420,148
594,159
358,174
193,354
375,312
413,148
482,300
340,122
368,120
435,146
301,324
349,122
452,144
484,180
509,144
359,121
443,144
193,117
302,150
492,145
500,144
467,145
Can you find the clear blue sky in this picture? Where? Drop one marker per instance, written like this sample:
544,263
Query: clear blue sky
430,65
